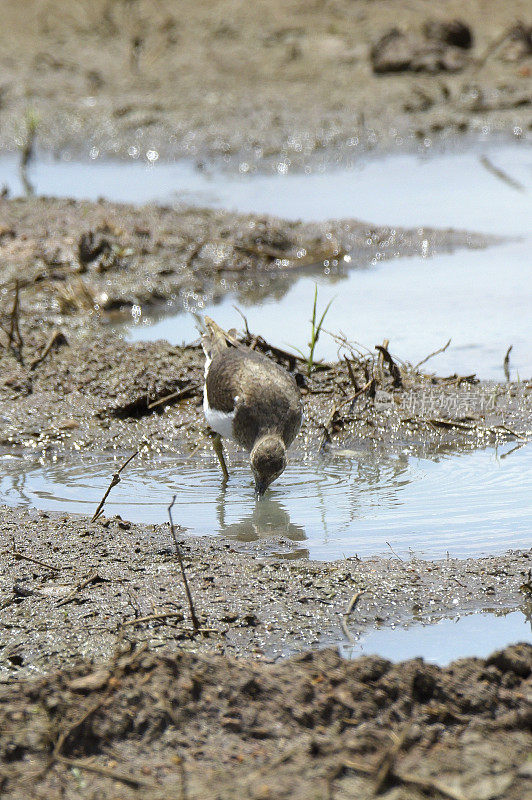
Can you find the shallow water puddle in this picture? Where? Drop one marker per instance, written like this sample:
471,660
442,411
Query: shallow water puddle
480,299
476,635
354,503
457,189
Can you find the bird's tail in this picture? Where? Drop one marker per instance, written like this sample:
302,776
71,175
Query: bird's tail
214,339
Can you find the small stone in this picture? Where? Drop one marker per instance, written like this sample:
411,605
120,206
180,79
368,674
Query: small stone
90,683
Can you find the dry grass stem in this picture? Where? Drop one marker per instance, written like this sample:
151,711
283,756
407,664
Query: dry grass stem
430,355
56,337
195,621
114,480
506,363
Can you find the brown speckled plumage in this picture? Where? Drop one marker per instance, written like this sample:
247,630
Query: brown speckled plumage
267,397
264,397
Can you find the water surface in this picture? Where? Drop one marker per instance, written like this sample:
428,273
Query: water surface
476,635
456,189
352,503
480,299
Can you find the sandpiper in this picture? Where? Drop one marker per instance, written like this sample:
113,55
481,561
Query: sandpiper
250,399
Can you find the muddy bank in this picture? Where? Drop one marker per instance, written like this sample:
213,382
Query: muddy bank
316,727
69,382
95,392
79,258
275,80
73,589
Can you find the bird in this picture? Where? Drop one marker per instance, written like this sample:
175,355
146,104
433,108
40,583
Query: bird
251,399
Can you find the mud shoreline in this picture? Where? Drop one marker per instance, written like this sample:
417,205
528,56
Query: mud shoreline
257,86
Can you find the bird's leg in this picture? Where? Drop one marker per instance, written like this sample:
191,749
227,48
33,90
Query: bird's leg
219,450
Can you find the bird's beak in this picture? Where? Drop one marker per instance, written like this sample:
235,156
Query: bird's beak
260,488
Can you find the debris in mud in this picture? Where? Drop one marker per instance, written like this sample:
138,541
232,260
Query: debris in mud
148,723
147,256
285,89
92,245
454,32
400,52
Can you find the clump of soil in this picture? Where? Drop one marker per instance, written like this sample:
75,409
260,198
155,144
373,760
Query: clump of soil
183,726
79,258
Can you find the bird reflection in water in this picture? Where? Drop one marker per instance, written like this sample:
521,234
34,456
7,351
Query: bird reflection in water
269,519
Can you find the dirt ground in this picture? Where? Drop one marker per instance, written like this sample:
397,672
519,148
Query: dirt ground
256,81
106,688
183,726
74,595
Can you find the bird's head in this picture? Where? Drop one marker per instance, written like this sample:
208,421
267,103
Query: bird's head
268,461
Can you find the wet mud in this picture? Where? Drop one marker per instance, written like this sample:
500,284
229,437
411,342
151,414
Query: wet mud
275,82
314,727
75,594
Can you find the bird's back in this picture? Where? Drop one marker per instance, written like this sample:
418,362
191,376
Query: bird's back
263,395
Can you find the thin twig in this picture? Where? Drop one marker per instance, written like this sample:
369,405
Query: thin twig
506,363
195,621
368,387
352,378
61,739
21,557
81,585
387,764
326,432
499,173
395,372
135,783
56,337
393,551
14,339
173,396
114,480
151,617
435,353
429,784
494,430
345,616
244,318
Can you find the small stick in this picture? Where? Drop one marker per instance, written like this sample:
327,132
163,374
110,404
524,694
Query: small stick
428,784
173,396
244,318
358,766
151,617
393,551
499,173
77,724
195,621
387,764
506,363
368,387
21,557
350,608
435,353
81,585
114,480
56,336
395,372
14,339
135,783
351,375
326,433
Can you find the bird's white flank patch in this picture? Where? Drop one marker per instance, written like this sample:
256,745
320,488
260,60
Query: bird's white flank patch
219,421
